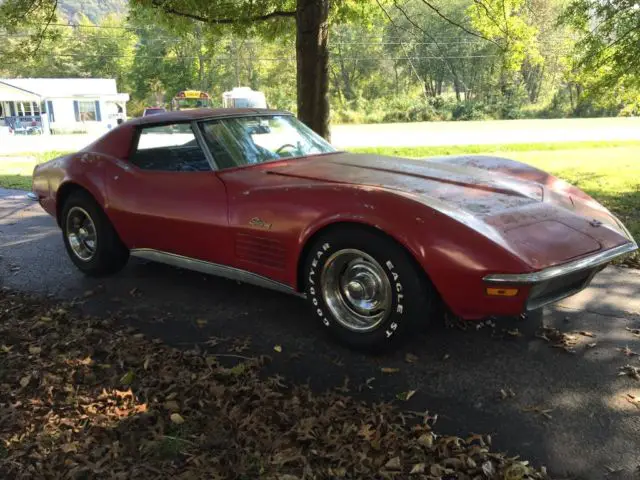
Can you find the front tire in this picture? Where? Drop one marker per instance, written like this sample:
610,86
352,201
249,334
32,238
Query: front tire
366,289
91,241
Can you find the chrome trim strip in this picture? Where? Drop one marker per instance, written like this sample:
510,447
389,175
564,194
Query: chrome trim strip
195,127
209,268
564,269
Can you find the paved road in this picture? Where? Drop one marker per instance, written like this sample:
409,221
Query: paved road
412,134
593,427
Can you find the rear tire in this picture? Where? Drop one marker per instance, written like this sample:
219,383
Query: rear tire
91,241
366,289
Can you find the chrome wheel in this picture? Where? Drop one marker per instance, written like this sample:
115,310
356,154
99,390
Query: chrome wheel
356,289
81,234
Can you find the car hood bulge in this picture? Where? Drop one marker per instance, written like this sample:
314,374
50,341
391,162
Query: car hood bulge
476,191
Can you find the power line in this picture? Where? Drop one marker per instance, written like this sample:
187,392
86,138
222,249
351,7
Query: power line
263,59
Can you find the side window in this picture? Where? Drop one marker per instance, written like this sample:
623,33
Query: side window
169,148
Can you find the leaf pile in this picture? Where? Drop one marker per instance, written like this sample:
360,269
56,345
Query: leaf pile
558,339
82,397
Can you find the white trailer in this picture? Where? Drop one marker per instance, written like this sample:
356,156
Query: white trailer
243,97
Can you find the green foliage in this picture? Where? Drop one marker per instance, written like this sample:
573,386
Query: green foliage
398,63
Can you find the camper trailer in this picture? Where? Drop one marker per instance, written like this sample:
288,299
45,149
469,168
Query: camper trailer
243,97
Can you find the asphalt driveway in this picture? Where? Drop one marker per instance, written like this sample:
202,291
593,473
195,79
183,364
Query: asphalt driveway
572,412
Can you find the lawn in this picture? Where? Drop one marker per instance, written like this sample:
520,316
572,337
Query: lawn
16,169
608,171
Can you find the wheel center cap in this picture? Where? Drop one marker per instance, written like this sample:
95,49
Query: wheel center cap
355,290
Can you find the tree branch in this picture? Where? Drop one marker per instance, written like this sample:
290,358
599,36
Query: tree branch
44,30
220,21
456,24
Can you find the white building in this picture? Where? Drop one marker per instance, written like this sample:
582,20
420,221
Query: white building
61,105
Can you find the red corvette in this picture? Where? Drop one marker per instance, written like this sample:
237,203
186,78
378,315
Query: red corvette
371,242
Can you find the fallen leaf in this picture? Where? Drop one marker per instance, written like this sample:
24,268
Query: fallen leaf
172,406
613,470
591,345
488,469
278,348
515,471
146,363
633,331
389,370
446,356
177,418
5,348
418,468
410,358
393,464
587,334
628,352
85,361
406,395
633,400
89,293
630,370
437,470
201,322
426,440
514,333
545,412
35,350
134,291
70,447
24,381
127,378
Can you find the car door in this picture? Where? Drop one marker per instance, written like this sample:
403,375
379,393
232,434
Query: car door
168,198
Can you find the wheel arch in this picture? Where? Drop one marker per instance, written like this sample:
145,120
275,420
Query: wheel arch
64,192
313,236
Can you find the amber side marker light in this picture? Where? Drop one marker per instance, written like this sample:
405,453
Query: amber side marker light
502,292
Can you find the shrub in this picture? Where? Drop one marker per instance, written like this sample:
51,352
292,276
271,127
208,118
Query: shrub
470,111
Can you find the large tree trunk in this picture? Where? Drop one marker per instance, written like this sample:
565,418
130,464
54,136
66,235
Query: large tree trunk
312,35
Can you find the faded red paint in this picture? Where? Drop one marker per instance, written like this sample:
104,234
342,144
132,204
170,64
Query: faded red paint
461,218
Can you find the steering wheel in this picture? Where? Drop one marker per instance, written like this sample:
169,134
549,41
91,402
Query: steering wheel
285,146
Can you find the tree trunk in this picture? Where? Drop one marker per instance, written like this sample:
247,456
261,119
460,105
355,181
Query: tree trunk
312,35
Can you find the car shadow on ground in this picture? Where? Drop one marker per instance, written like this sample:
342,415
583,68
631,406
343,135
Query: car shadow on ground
570,411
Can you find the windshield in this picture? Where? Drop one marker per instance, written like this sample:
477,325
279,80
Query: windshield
249,140
183,103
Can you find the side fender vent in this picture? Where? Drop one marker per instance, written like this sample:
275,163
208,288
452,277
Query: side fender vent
260,250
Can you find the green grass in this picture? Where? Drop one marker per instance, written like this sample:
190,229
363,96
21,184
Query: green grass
419,152
16,169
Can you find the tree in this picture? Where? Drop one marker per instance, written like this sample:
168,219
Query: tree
610,37
311,20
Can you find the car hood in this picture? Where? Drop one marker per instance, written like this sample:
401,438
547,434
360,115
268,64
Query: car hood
473,190
528,218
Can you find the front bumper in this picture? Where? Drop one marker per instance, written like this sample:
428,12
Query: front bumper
555,283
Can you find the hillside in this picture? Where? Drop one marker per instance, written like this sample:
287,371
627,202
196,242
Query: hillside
95,10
